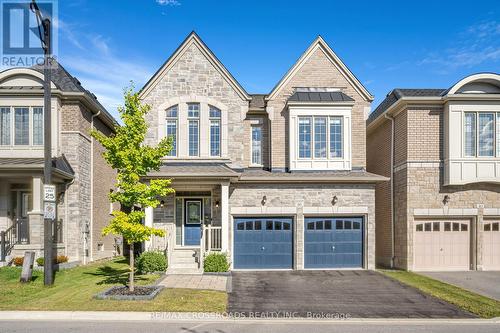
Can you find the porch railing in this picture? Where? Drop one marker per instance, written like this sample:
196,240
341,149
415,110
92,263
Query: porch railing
213,238
8,238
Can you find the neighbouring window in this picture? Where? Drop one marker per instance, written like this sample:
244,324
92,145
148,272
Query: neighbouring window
257,145
5,126
304,137
194,128
481,134
171,130
215,135
22,126
320,137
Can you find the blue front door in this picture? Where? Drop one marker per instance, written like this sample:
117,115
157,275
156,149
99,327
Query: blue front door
333,242
192,222
263,243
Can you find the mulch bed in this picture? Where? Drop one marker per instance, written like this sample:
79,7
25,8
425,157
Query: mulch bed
138,291
123,293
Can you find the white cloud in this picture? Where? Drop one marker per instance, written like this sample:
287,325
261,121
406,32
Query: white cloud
168,2
476,45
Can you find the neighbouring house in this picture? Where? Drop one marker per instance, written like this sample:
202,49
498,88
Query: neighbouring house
81,175
441,148
277,180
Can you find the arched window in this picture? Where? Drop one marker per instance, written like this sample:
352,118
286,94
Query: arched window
215,137
171,130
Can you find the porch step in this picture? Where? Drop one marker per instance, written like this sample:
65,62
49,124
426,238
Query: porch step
183,261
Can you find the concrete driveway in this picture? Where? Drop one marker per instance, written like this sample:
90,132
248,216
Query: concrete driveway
361,294
486,283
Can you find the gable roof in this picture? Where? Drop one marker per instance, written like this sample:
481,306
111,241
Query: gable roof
193,38
319,42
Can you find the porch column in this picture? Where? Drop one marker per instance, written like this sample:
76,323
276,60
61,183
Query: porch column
225,216
148,222
35,216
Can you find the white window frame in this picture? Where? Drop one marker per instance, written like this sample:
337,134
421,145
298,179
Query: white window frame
213,120
320,163
12,128
197,120
176,120
496,134
259,126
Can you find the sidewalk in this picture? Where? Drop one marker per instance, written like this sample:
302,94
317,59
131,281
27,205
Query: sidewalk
205,282
200,316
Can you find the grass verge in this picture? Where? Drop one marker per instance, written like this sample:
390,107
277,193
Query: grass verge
480,305
75,288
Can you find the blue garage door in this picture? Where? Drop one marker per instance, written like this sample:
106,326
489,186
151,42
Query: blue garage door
333,243
263,243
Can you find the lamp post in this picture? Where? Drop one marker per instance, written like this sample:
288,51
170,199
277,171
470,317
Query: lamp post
44,24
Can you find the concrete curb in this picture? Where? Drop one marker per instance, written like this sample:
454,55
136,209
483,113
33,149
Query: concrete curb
208,317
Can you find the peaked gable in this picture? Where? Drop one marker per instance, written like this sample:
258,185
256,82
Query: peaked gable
319,43
191,39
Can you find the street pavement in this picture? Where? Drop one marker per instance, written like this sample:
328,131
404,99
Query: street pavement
246,326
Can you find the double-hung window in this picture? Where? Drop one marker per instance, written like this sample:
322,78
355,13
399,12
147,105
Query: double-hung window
256,144
481,134
215,135
193,128
321,134
171,130
21,126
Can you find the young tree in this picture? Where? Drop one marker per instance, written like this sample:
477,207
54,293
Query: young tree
126,152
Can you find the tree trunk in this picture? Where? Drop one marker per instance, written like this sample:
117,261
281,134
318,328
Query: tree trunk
131,276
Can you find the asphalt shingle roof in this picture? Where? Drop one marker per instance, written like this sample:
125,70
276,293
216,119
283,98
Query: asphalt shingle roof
397,94
258,101
58,163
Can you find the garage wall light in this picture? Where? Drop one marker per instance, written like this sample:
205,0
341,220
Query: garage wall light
335,200
446,199
217,204
162,203
264,200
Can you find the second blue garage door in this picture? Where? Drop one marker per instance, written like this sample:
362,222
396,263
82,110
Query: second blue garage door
333,242
263,243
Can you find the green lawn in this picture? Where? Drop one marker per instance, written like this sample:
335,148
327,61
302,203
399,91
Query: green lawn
74,289
482,306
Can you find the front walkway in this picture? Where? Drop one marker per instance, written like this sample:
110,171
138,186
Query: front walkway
195,281
486,283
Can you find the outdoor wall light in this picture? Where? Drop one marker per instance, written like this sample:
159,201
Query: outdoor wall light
335,200
264,200
446,199
217,204
162,203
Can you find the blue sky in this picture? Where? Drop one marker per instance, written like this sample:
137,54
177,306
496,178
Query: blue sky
386,44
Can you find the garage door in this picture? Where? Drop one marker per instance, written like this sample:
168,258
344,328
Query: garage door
263,243
441,245
491,246
333,242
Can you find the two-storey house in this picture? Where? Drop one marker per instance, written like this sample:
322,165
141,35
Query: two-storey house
441,148
277,180
81,175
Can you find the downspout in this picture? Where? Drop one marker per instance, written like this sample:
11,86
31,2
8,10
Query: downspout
91,227
392,190
67,185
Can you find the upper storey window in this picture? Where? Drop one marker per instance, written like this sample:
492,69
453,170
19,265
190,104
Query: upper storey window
323,135
21,126
215,137
194,128
257,145
171,128
481,134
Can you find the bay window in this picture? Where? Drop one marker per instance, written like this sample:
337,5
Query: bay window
481,134
321,132
21,126
320,137
304,137
171,130
193,128
215,137
336,149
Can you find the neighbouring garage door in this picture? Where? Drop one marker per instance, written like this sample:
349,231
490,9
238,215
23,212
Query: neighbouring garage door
333,243
263,243
491,245
441,245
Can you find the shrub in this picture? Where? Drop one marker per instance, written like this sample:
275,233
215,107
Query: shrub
216,262
151,262
18,261
61,259
40,261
